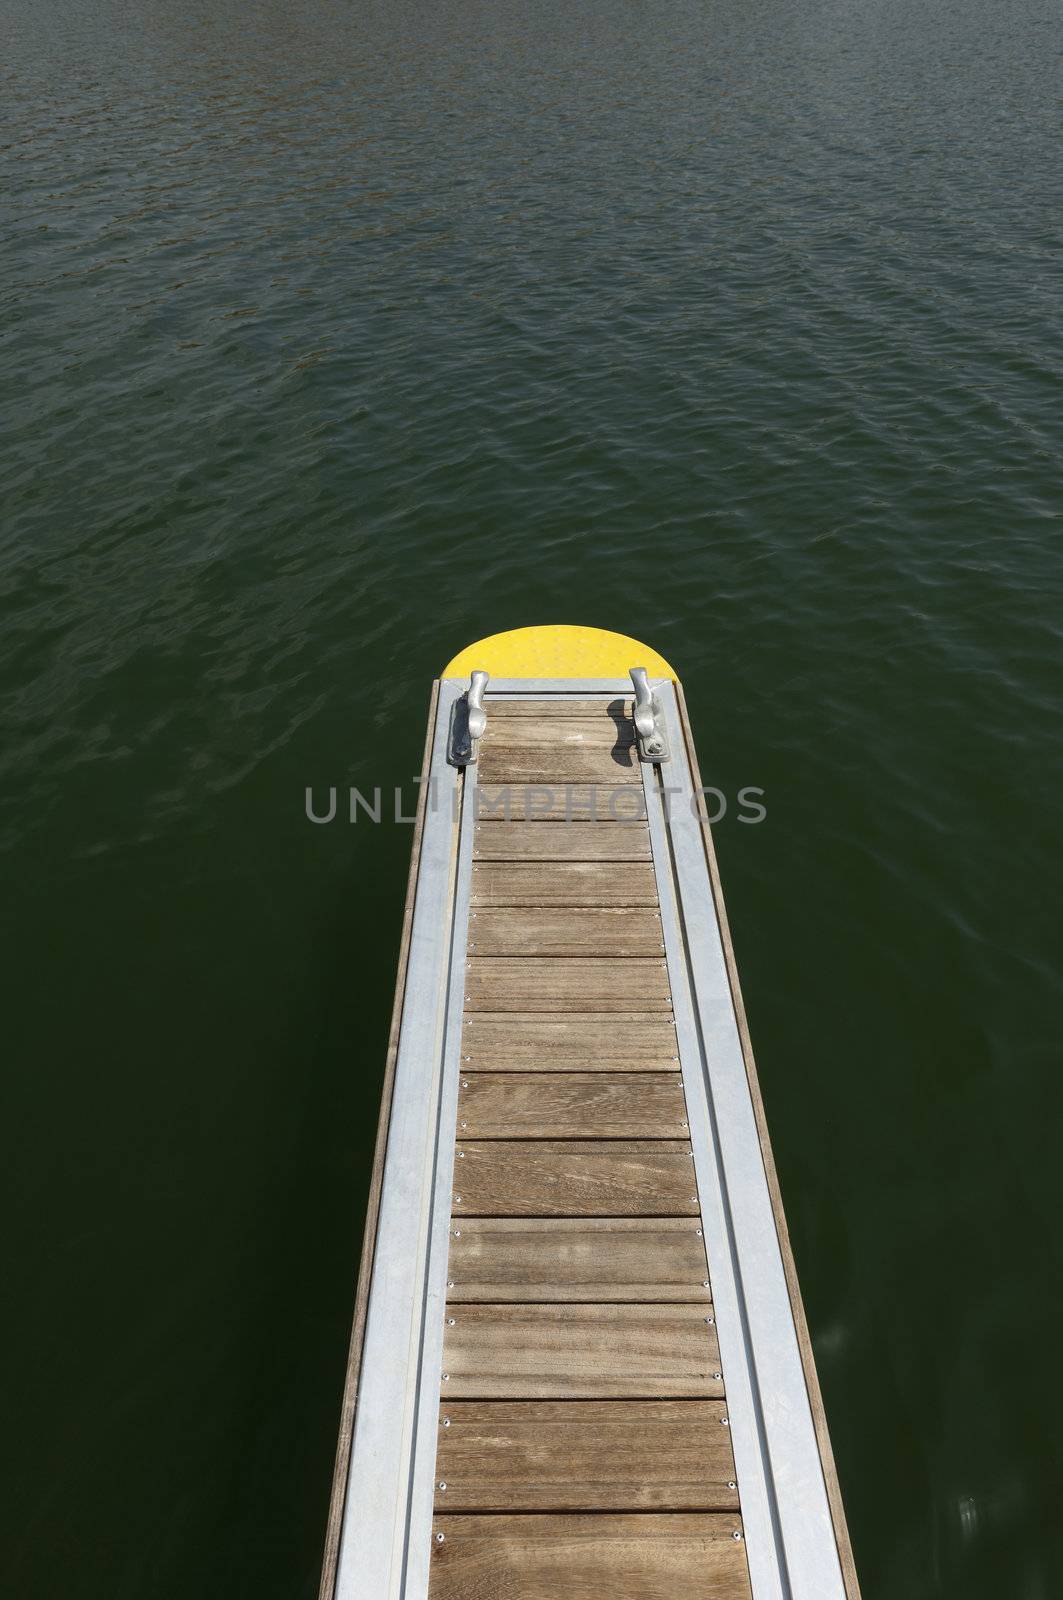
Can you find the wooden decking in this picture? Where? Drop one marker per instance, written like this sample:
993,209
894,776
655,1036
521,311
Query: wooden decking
583,1444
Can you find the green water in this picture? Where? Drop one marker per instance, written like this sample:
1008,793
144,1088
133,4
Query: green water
337,335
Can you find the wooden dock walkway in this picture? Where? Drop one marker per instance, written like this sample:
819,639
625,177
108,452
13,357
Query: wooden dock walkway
582,1385
567,1433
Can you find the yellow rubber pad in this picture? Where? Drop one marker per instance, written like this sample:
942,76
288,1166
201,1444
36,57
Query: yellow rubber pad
557,652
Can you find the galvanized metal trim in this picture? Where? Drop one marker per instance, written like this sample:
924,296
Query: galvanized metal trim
383,1520
547,688
422,1495
755,1491
790,1542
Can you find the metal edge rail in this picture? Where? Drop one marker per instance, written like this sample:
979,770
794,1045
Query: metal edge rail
422,1490
790,1538
384,1519
808,1362
337,1497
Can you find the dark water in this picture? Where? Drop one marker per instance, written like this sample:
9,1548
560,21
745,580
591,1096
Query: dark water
335,336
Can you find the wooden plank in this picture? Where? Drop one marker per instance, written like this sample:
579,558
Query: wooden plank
505,983
640,1556
585,1455
808,1360
552,733
580,1352
563,883
548,1064
538,710
565,931
588,1258
523,1041
587,841
559,802
558,764
372,1212
569,1105
574,1178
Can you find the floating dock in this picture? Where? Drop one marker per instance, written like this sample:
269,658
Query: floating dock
580,1368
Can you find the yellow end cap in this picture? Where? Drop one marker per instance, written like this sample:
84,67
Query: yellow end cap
557,652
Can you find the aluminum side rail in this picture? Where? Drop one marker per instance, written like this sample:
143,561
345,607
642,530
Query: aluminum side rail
790,1539
384,1545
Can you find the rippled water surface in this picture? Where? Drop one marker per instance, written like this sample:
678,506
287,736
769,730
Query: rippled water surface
337,335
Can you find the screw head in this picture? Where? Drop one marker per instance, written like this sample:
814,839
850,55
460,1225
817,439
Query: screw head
440,1537
443,1484
717,1376
706,1284
446,1424
446,1377
450,1322
457,1199
736,1534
